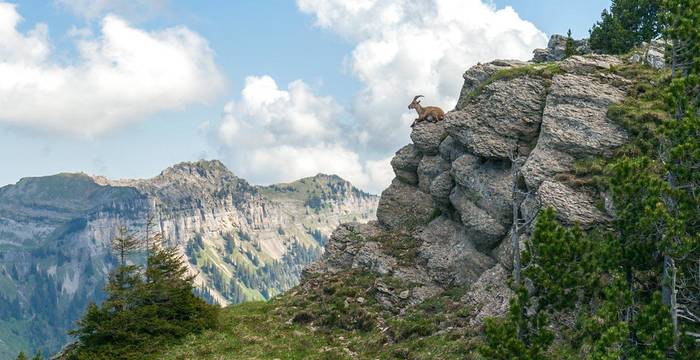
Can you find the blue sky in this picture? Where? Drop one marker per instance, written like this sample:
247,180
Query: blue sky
276,89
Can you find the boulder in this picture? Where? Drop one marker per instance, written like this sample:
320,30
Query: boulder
428,169
480,227
572,207
449,255
451,149
440,189
402,205
506,114
405,164
556,49
488,184
488,296
427,136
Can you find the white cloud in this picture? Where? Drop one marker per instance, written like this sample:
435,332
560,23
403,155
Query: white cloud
91,9
277,135
119,77
409,47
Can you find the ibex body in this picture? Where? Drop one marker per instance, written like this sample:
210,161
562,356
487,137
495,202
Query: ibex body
425,113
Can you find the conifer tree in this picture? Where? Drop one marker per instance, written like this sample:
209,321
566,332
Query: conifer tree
570,49
22,356
628,23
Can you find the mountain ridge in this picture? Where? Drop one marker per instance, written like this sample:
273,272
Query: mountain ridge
242,241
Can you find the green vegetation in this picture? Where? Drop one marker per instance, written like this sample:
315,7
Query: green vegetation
626,25
629,292
545,70
145,309
335,317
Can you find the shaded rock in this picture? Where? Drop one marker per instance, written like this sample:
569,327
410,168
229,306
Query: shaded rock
572,207
481,228
451,149
427,136
403,205
489,296
450,257
405,164
477,74
440,189
487,184
428,169
506,113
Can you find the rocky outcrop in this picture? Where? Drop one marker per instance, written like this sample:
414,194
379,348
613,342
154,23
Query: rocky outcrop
651,53
451,206
556,49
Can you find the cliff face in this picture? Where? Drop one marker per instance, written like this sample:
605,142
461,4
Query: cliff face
244,242
419,281
511,147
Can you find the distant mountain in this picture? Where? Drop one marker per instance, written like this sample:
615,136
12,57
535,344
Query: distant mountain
244,242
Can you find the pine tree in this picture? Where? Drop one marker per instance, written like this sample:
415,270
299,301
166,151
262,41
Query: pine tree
145,309
570,49
22,356
628,23
522,335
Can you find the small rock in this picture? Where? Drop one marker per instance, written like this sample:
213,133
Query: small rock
360,300
404,294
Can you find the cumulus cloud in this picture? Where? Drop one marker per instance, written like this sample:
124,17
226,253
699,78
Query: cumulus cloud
276,135
408,47
92,9
120,76
401,48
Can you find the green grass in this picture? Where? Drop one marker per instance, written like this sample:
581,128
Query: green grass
325,320
544,71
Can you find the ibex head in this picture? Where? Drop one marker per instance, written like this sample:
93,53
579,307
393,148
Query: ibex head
415,103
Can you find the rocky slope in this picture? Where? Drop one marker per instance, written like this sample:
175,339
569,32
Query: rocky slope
509,149
419,281
244,242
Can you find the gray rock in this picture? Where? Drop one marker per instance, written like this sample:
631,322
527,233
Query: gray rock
427,136
440,189
428,169
574,125
506,114
481,228
405,164
556,49
578,64
451,149
479,73
572,207
488,184
402,205
489,296
451,258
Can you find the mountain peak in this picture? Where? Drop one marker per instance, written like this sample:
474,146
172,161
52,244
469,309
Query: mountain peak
213,169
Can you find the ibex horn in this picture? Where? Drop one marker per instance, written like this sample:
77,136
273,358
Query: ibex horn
417,96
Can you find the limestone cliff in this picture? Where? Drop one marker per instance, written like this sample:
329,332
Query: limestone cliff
508,149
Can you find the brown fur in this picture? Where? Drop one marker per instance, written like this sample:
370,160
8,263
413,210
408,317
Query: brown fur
425,113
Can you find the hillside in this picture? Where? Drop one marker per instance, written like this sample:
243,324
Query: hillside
419,282
244,242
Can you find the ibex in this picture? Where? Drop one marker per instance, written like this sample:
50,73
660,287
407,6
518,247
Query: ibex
425,113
